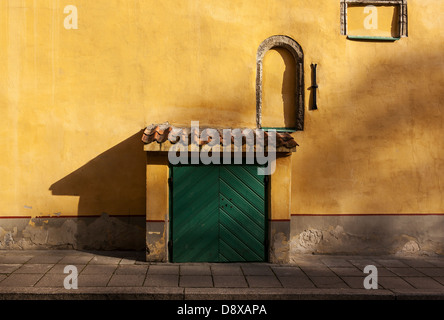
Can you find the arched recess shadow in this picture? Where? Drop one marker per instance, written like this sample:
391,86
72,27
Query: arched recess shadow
280,41
279,89
395,30
111,190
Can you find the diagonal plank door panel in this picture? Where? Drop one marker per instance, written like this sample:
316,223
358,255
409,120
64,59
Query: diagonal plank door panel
195,224
218,214
242,214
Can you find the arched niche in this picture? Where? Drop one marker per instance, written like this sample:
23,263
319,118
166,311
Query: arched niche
282,44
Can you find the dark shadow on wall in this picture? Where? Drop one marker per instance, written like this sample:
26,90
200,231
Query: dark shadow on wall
111,191
311,100
395,23
288,107
371,151
289,81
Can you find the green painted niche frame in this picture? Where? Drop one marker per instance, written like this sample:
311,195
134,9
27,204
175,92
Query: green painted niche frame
373,38
290,130
402,12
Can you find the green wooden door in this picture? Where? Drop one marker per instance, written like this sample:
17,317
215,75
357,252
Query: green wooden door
218,214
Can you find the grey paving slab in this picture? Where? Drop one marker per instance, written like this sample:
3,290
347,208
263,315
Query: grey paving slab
384,272
329,282
8,268
162,280
287,271
362,263
226,270
99,269
304,260
407,272
15,259
348,271
432,272
132,269
257,270
34,268
424,283
332,262
46,259
163,269
334,276
224,281
296,282
354,282
263,282
195,270
318,271
196,281
393,283
126,280
391,263
21,280
285,294
125,261
418,263
93,280
104,260
59,268
117,254
439,279
436,262
75,259
51,280
417,294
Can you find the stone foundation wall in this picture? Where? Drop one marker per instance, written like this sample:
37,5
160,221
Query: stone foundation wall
87,233
368,235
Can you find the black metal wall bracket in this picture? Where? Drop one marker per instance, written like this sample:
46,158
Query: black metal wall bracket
314,87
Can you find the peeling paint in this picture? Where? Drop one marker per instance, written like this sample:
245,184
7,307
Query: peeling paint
156,241
279,250
411,247
370,235
310,238
104,233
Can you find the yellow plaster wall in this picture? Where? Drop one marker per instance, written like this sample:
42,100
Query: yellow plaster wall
279,89
386,24
68,97
157,174
280,189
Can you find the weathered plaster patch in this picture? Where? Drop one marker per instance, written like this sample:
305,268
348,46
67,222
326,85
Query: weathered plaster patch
279,250
156,241
155,251
279,246
368,235
411,247
310,238
104,233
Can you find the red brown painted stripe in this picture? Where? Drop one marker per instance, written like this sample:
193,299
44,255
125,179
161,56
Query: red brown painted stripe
366,214
68,217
